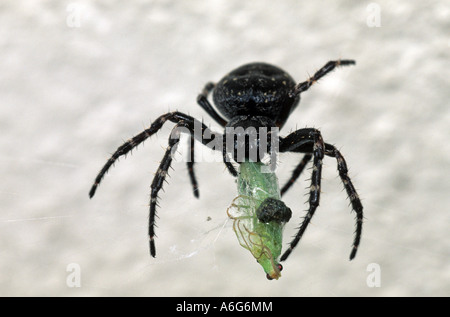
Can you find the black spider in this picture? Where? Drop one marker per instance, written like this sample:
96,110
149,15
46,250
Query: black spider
254,95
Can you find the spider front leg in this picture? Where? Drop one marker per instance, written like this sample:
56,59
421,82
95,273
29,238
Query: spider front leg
331,65
183,121
292,142
132,143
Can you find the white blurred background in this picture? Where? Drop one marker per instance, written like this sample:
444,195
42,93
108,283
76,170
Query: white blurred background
77,78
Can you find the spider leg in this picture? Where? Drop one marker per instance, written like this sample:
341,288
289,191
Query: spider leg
296,173
294,141
303,86
299,141
202,100
158,182
141,137
161,174
196,130
226,158
330,150
190,166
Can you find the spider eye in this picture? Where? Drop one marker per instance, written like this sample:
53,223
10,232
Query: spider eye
268,277
280,267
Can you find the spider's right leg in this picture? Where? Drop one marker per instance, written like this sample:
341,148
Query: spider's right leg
190,165
310,138
202,100
296,173
331,65
158,181
226,158
355,201
187,126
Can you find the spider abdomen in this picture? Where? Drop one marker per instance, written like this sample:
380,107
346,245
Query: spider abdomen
258,89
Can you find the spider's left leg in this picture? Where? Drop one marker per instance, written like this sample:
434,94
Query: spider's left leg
311,139
296,173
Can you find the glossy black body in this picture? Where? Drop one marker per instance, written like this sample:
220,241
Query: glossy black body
256,89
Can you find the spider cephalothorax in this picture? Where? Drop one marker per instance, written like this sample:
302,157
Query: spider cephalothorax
254,98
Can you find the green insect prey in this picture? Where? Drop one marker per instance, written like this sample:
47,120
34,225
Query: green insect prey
259,215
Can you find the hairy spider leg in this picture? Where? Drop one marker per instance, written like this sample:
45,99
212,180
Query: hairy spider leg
331,65
190,166
161,174
330,150
293,140
202,100
174,117
158,181
303,86
227,160
307,141
296,173
181,120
